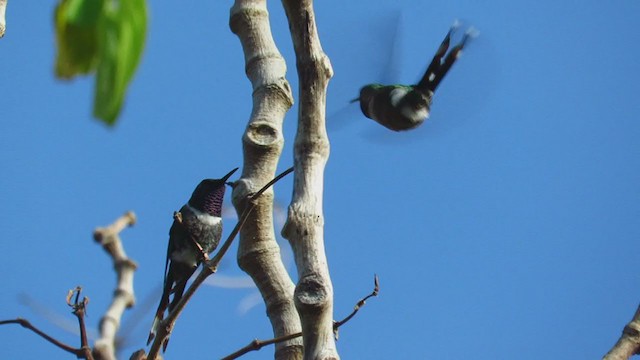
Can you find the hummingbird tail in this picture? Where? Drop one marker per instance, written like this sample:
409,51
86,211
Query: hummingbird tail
442,61
153,331
162,306
178,290
428,81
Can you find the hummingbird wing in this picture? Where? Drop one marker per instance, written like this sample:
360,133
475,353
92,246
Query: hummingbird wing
176,273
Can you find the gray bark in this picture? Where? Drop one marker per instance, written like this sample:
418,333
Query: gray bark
124,296
305,223
629,342
258,253
3,23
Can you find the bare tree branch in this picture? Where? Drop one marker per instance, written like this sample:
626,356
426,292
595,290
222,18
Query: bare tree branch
26,324
259,344
79,310
258,251
629,342
3,23
208,267
360,304
305,223
123,296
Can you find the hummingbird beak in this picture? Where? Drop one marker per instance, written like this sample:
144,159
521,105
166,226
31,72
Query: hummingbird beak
228,175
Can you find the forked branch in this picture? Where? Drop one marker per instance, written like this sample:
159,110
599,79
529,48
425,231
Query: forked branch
256,344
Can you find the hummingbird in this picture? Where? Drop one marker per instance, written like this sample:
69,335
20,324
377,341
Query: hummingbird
195,232
405,107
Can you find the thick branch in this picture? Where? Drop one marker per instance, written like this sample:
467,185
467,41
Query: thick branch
629,342
305,223
3,23
258,252
123,296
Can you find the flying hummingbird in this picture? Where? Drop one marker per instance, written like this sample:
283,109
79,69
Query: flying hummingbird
196,232
404,107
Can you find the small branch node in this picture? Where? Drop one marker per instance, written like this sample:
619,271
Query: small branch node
257,344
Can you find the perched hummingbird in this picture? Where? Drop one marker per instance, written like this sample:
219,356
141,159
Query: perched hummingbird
404,107
196,232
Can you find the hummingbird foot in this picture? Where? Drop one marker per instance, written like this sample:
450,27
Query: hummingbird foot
177,216
204,257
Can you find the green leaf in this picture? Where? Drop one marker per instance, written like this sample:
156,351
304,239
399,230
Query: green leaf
76,24
122,37
84,12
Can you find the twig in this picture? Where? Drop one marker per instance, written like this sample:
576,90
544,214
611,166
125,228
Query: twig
209,267
123,296
26,324
79,310
629,342
376,290
109,239
245,214
259,344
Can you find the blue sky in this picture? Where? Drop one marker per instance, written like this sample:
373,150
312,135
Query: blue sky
507,222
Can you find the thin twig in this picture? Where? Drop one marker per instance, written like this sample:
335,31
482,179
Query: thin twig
109,239
79,310
209,267
26,324
257,344
243,217
376,290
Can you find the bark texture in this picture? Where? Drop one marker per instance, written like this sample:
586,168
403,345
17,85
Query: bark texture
305,223
3,23
259,253
629,342
123,296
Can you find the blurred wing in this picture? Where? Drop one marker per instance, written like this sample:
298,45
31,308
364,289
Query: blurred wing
391,47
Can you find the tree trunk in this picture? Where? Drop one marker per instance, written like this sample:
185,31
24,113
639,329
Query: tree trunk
258,253
305,223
